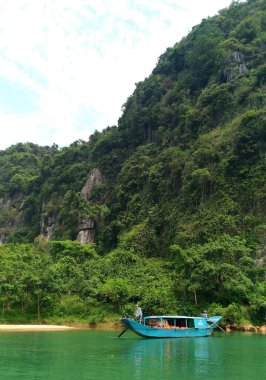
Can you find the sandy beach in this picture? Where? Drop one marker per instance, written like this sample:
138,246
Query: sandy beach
33,327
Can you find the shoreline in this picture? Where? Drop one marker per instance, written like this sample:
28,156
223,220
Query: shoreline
246,328
13,327
107,326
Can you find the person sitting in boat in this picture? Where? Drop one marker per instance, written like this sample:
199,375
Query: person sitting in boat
204,314
165,324
138,314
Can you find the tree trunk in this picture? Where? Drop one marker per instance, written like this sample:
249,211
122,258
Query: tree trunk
38,307
195,296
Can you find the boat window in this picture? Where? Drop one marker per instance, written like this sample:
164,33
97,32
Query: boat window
181,323
190,323
171,322
153,322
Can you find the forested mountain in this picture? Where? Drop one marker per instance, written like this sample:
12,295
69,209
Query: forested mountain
171,201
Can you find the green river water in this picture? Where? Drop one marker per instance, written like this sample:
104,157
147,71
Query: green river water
91,354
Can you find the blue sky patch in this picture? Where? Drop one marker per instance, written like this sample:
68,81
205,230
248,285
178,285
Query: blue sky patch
16,98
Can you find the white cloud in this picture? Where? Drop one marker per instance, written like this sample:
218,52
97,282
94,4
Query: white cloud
81,59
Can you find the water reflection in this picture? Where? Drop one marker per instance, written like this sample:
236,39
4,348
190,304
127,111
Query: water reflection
172,356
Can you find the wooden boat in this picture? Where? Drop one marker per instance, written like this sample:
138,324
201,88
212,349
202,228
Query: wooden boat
172,326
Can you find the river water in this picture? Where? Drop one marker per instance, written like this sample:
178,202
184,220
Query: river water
91,354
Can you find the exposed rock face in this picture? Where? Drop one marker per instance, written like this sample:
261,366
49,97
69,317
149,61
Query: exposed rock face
86,231
3,237
237,57
86,227
95,178
235,66
10,216
245,328
47,228
243,70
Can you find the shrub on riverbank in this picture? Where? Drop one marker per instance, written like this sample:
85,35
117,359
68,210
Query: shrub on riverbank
38,285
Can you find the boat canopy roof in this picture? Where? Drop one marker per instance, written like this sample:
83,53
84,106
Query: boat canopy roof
171,316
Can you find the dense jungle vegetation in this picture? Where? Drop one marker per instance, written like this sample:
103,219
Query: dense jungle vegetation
180,215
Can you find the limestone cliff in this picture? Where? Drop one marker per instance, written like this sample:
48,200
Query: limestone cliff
10,216
86,227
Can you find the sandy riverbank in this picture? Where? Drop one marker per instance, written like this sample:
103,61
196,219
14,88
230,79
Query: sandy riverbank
43,327
33,327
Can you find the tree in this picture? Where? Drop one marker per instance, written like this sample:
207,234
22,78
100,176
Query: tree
217,271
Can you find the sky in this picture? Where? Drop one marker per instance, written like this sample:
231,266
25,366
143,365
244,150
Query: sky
68,66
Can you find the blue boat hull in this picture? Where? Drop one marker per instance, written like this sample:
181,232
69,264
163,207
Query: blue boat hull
157,332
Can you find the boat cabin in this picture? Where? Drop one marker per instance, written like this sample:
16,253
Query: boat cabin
176,322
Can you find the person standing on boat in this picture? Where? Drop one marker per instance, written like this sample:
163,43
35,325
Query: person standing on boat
204,314
138,314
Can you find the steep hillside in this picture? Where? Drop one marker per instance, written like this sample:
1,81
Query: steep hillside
181,178
194,131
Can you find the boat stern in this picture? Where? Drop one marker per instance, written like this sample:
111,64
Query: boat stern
213,321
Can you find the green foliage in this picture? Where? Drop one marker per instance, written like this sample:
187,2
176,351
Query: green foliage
233,314
179,218
74,249
69,305
219,269
140,239
115,291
